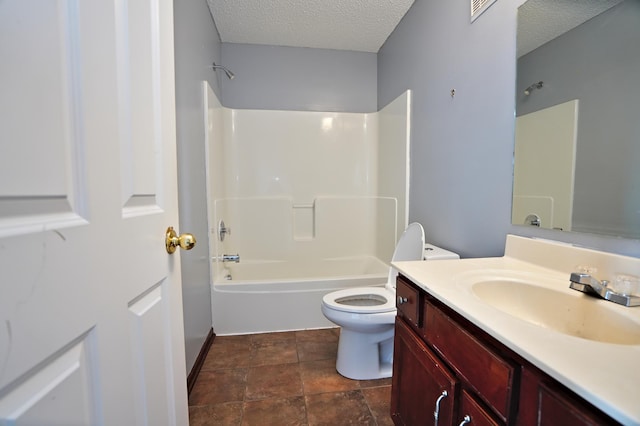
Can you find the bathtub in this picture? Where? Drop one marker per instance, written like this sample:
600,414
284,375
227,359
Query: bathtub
268,296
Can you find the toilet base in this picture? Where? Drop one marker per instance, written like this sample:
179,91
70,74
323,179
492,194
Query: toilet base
363,356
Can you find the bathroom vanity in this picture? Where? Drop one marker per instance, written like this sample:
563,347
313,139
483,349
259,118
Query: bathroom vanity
503,341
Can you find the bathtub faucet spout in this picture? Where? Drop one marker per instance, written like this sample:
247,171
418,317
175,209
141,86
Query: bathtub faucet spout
230,258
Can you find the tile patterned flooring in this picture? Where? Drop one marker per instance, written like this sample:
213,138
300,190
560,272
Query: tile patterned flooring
284,378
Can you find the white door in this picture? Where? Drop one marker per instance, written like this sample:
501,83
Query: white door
91,325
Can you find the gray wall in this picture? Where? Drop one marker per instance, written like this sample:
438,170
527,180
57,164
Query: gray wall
294,78
462,147
197,46
599,64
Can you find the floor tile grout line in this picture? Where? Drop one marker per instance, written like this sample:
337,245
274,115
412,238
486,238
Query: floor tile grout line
371,413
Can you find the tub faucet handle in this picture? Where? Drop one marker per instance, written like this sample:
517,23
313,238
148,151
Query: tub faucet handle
230,258
223,230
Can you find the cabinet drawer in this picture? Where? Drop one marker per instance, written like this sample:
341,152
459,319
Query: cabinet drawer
408,302
491,376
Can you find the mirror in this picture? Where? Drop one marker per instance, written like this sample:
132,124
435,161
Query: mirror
577,150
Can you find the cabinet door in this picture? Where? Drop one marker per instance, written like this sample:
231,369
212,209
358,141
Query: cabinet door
472,413
544,403
421,384
559,408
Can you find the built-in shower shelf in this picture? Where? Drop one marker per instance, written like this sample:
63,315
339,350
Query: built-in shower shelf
303,221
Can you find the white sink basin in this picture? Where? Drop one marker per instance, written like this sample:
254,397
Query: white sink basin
576,314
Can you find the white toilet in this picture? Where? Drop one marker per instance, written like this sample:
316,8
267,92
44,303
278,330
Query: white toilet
367,315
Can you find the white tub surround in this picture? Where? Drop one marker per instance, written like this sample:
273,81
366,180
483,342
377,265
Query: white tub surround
605,374
301,189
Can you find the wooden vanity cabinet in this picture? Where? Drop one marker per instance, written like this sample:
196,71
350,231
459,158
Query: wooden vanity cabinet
437,350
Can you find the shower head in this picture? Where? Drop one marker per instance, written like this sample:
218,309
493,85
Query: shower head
226,71
534,86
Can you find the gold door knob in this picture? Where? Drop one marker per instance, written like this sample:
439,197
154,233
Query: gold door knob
173,241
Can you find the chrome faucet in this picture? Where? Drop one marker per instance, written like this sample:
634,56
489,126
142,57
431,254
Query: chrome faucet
588,284
230,258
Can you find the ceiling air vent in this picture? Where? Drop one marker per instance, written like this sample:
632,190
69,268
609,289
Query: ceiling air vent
478,7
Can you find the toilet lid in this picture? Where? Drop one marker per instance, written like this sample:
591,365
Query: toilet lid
361,300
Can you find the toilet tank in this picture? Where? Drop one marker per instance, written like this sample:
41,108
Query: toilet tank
432,252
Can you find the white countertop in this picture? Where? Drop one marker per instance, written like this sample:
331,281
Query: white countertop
605,374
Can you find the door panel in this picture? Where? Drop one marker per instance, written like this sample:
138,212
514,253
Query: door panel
139,83
39,107
60,390
151,346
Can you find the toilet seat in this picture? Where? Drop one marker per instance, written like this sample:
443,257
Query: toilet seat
366,315
361,300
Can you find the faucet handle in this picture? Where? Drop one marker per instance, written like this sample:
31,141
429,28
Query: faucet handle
222,230
626,285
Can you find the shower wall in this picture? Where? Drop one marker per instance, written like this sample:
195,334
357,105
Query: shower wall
295,185
299,154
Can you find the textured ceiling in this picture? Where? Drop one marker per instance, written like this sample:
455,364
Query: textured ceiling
364,25
360,25
540,21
